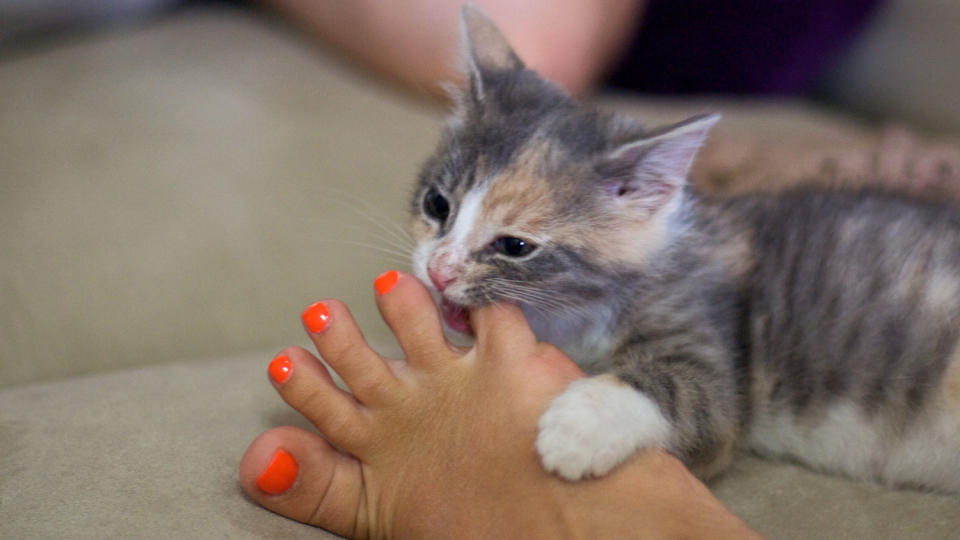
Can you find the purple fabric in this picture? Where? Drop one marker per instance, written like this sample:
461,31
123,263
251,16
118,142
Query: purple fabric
738,46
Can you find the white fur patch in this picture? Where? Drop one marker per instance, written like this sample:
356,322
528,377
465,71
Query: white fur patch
844,440
942,292
420,258
467,216
596,424
847,441
453,245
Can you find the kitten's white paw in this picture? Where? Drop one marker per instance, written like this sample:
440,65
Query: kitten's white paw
596,424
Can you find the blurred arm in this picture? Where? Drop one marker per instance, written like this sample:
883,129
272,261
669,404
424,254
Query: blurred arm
571,42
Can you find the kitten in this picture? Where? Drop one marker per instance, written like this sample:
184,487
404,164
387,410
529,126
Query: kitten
818,326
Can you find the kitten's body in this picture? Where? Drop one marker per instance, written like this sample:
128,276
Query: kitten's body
820,326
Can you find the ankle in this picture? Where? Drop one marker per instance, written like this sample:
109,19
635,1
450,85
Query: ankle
664,496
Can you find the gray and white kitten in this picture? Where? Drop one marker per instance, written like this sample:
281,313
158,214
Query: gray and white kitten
818,326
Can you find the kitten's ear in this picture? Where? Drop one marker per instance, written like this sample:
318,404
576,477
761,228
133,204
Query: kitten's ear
484,49
650,171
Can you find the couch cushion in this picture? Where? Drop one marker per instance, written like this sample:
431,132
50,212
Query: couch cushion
150,453
153,452
186,188
168,192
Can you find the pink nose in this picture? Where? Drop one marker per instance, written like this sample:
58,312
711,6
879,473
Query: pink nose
439,280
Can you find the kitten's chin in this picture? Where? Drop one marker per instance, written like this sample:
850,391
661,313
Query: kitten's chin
456,317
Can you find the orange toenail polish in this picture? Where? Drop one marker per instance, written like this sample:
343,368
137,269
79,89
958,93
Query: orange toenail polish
316,317
280,473
386,281
280,369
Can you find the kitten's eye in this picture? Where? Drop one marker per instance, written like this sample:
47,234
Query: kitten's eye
513,247
435,205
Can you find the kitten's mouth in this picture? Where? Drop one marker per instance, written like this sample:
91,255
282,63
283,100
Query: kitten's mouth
457,317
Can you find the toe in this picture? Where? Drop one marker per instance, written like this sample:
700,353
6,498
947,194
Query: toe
341,345
502,328
299,475
411,314
303,382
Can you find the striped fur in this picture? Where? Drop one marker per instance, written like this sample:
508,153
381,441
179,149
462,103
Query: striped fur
819,326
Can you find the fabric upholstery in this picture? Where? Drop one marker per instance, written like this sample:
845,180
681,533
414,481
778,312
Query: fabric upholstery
171,196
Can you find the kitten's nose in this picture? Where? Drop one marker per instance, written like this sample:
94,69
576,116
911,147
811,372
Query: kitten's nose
440,281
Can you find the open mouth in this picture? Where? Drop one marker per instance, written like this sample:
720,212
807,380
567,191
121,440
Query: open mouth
456,317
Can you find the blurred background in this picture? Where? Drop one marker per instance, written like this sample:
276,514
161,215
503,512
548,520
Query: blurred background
178,179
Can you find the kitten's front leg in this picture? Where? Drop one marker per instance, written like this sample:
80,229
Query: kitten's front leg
596,424
684,402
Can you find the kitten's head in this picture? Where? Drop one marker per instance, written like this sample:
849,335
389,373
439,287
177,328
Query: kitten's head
535,199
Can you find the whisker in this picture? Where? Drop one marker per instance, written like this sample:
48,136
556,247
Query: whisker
389,231
374,237
535,304
371,214
392,230
543,299
397,255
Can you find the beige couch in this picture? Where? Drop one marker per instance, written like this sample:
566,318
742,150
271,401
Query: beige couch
172,195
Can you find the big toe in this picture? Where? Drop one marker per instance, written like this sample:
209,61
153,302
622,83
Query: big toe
298,474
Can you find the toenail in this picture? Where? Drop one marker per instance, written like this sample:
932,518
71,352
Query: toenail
316,317
280,473
280,369
386,281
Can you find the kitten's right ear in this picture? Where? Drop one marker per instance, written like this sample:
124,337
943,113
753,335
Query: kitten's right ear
648,173
484,50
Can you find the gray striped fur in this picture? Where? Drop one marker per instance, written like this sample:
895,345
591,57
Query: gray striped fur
822,326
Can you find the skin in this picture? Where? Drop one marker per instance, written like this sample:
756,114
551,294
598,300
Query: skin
571,42
442,445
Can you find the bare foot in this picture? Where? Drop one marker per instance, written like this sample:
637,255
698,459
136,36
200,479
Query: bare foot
442,445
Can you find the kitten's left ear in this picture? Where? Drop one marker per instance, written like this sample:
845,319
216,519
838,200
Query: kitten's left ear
485,50
650,171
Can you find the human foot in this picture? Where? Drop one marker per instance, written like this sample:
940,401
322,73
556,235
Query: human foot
443,444
410,430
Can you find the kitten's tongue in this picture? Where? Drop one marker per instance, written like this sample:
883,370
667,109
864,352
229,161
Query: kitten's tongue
456,317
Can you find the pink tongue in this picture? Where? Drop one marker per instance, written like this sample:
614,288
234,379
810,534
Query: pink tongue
456,317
